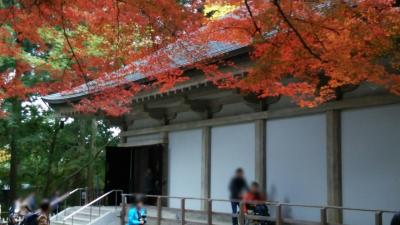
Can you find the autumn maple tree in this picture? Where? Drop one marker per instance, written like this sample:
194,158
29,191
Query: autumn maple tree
310,51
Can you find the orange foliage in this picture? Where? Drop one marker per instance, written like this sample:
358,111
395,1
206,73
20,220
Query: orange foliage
307,50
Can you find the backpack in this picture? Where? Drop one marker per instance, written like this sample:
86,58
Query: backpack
31,219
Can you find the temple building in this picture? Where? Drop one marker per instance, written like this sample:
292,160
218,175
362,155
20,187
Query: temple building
195,135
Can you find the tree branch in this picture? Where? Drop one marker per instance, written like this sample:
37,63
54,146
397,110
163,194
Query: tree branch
297,33
319,25
85,78
258,29
82,168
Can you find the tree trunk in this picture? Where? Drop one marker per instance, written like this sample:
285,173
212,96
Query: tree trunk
13,167
13,175
92,149
50,159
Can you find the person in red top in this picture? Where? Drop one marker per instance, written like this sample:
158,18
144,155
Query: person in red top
254,204
253,195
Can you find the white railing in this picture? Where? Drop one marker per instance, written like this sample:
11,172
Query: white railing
97,200
64,198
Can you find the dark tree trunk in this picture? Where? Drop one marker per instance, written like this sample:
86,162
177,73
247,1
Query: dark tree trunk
50,159
13,126
13,175
92,149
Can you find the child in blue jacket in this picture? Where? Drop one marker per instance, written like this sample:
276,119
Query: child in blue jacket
137,214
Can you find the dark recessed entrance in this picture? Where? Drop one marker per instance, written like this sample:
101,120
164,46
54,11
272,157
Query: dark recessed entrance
135,169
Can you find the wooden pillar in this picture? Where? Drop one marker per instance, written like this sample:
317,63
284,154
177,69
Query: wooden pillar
205,165
165,169
334,165
260,153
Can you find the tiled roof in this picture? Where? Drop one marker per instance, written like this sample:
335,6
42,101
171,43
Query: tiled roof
177,59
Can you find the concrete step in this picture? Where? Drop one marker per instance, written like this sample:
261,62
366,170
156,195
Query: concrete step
84,217
87,215
170,216
67,223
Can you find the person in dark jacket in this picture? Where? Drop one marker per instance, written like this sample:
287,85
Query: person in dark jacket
44,213
237,187
396,219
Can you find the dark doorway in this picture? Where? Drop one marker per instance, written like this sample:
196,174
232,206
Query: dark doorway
135,169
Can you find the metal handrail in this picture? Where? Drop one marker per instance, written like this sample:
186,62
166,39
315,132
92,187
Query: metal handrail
64,199
264,202
279,219
90,204
66,195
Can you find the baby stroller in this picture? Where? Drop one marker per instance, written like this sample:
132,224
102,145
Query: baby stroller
259,210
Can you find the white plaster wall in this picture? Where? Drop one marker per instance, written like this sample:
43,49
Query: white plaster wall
371,161
296,164
185,166
232,147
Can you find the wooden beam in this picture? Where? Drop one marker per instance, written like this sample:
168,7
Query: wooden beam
272,114
136,143
206,166
260,153
334,165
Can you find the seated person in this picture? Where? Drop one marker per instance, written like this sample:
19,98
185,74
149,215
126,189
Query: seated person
252,196
137,214
254,203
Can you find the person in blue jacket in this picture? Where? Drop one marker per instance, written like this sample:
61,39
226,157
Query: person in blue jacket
137,214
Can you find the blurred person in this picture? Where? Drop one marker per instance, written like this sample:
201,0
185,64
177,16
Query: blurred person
251,198
395,219
13,212
41,217
31,201
25,210
237,186
148,182
137,214
254,202
43,214
55,205
149,188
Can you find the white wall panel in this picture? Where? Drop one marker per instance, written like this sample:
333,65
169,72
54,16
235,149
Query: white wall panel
371,161
185,166
231,147
296,164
